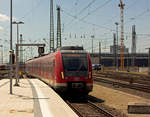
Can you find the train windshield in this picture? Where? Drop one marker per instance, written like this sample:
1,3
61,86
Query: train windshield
75,64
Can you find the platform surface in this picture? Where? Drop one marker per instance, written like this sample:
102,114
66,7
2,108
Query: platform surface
32,98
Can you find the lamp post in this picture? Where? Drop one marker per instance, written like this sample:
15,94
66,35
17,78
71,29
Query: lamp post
11,51
16,84
117,65
17,29
1,54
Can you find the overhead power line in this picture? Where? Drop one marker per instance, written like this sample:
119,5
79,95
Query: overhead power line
128,7
86,7
90,23
132,4
101,6
90,13
87,22
137,16
81,11
31,10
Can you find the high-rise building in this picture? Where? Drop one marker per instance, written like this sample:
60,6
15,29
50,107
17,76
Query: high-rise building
112,48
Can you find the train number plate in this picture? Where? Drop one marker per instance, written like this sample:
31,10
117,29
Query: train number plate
77,85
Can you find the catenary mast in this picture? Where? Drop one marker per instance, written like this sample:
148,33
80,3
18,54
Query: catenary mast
58,28
51,28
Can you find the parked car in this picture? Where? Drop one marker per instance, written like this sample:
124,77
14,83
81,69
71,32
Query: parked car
96,66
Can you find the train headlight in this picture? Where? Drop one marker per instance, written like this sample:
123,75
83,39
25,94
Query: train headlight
89,75
62,75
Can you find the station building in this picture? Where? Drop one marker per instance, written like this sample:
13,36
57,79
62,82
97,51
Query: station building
107,59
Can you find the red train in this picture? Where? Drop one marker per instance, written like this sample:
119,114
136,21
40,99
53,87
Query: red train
68,69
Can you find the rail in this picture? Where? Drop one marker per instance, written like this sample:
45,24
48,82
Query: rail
140,87
89,109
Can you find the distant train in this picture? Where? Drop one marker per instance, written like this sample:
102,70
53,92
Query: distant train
68,69
3,67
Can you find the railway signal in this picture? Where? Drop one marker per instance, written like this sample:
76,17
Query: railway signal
17,55
41,51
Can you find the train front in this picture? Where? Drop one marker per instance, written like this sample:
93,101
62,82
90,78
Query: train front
76,72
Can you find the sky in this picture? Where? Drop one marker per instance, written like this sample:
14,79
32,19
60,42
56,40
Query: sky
80,20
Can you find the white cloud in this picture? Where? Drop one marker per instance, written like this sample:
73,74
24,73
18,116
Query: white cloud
4,17
1,28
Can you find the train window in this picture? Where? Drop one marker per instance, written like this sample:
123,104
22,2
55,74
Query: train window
75,64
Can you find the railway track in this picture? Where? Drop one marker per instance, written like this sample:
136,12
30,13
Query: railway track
89,109
127,78
6,73
136,86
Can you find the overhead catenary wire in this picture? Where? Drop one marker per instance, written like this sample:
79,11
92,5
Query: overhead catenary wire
59,0
81,11
87,22
90,13
91,23
32,9
101,6
97,25
40,2
86,7
137,16
128,7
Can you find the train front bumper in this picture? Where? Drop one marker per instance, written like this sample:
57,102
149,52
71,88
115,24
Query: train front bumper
74,86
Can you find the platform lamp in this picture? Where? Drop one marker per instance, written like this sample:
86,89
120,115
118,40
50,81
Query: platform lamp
11,48
17,29
16,83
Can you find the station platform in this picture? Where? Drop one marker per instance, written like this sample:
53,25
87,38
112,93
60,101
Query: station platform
32,98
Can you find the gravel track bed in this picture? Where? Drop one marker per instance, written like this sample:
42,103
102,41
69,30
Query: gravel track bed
116,101
87,111
100,103
114,111
126,90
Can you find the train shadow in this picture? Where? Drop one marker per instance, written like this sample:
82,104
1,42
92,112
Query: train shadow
81,99
94,99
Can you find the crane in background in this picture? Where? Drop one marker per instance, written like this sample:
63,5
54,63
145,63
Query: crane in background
121,5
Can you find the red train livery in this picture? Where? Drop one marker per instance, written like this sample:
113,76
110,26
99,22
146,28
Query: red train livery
69,68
